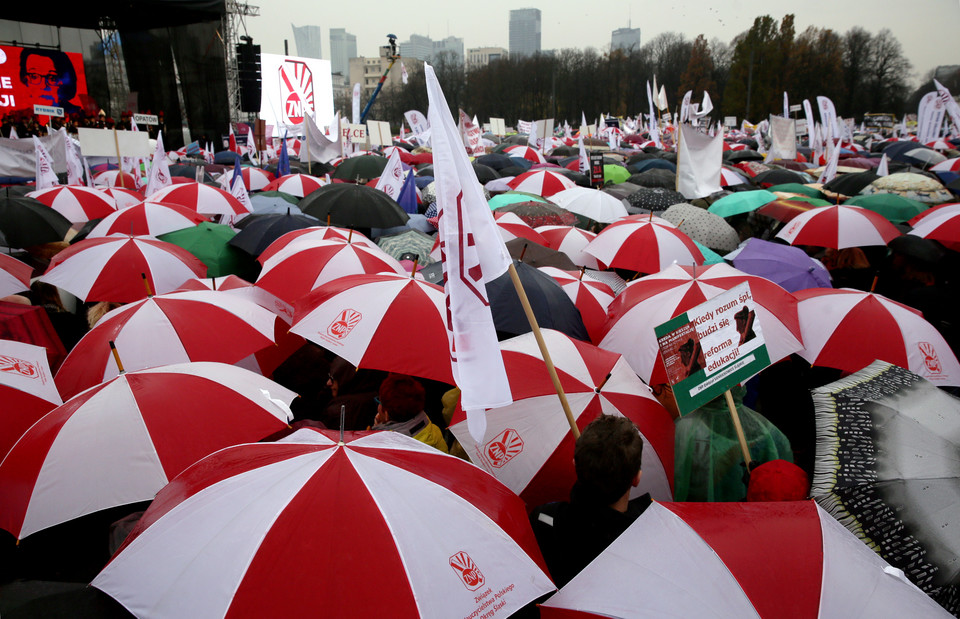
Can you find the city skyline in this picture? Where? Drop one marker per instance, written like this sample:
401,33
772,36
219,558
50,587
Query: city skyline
923,30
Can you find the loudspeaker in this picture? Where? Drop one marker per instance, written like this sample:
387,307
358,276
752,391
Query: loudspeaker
248,69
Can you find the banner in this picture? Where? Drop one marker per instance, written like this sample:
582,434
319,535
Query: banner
828,117
291,86
930,115
46,77
470,133
808,113
355,117
699,160
783,139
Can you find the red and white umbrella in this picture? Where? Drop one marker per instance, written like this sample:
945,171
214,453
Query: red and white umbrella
591,203
313,234
123,197
591,297
26,389
645,244
111,268
769,560
377,525
201,198
256,179
528,445
112,178
541,182
511,227
939,211
122,441
570,241
147,218
303,266
849,329
950,165
839,226
240,287
943,227
14,275
177,327
525,152
385,322
729,177
300,185
77,204
655,299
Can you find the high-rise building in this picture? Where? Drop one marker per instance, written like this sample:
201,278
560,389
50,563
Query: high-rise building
625,38
524,32
308,41
425,49
343,47
452,46
482,56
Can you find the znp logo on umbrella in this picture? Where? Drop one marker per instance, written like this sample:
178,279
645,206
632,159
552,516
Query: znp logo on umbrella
344,324
502,449
467,570
12,365
930,358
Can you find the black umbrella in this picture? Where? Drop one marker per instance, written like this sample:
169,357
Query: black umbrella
189,171
537,255
85,230
736,156
655,199
656,177
356,206
485,174
259,231
25,222
913,153
564,151
777,176
551,305
495,160
850,184
425,170
362,167
641,156
651,164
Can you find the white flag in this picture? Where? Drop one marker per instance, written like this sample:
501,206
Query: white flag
74,165
159,169
685,106
252,147
46,177
584,163
87,174
356,103
473,253
699,159
828,117
706,106
13,134
392,177
419,125
239,191
318,147
930,113
883,169
808,113
533,140
583,123
662,99
403,74
783,139
786,105
830,171
953,108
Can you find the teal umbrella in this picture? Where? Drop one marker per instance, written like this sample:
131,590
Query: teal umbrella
894,207
709,256
209,242
810,192
513,197
741,202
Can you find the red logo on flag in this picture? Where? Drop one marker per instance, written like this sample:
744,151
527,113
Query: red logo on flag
12,365
344,323
296,90
503,448
470,575
930,358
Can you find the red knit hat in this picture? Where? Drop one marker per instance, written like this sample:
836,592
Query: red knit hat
778,480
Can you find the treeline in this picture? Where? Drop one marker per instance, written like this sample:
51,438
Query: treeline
860,71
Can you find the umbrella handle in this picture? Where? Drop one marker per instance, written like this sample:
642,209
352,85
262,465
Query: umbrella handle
116,356
146,284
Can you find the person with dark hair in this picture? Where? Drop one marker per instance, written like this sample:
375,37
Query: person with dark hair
50,79
400,409
607,458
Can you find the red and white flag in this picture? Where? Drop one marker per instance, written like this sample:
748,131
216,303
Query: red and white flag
252,147
233,141
419,125
392,178
46,177
466,225
470,135
953,108
584,160
159,169
74,165
13,134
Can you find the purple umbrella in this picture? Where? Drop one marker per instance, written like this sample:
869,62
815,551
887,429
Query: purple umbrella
789,267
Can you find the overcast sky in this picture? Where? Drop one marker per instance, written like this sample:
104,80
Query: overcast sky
927,29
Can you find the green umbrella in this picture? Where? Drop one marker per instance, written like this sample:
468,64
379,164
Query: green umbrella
709,256
615,173
894,207
741,202
512,197
408,242
363,167
294,200
810,192
208,242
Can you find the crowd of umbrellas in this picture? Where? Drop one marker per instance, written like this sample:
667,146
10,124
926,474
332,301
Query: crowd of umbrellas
168,399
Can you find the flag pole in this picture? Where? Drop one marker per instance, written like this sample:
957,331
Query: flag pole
535,327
